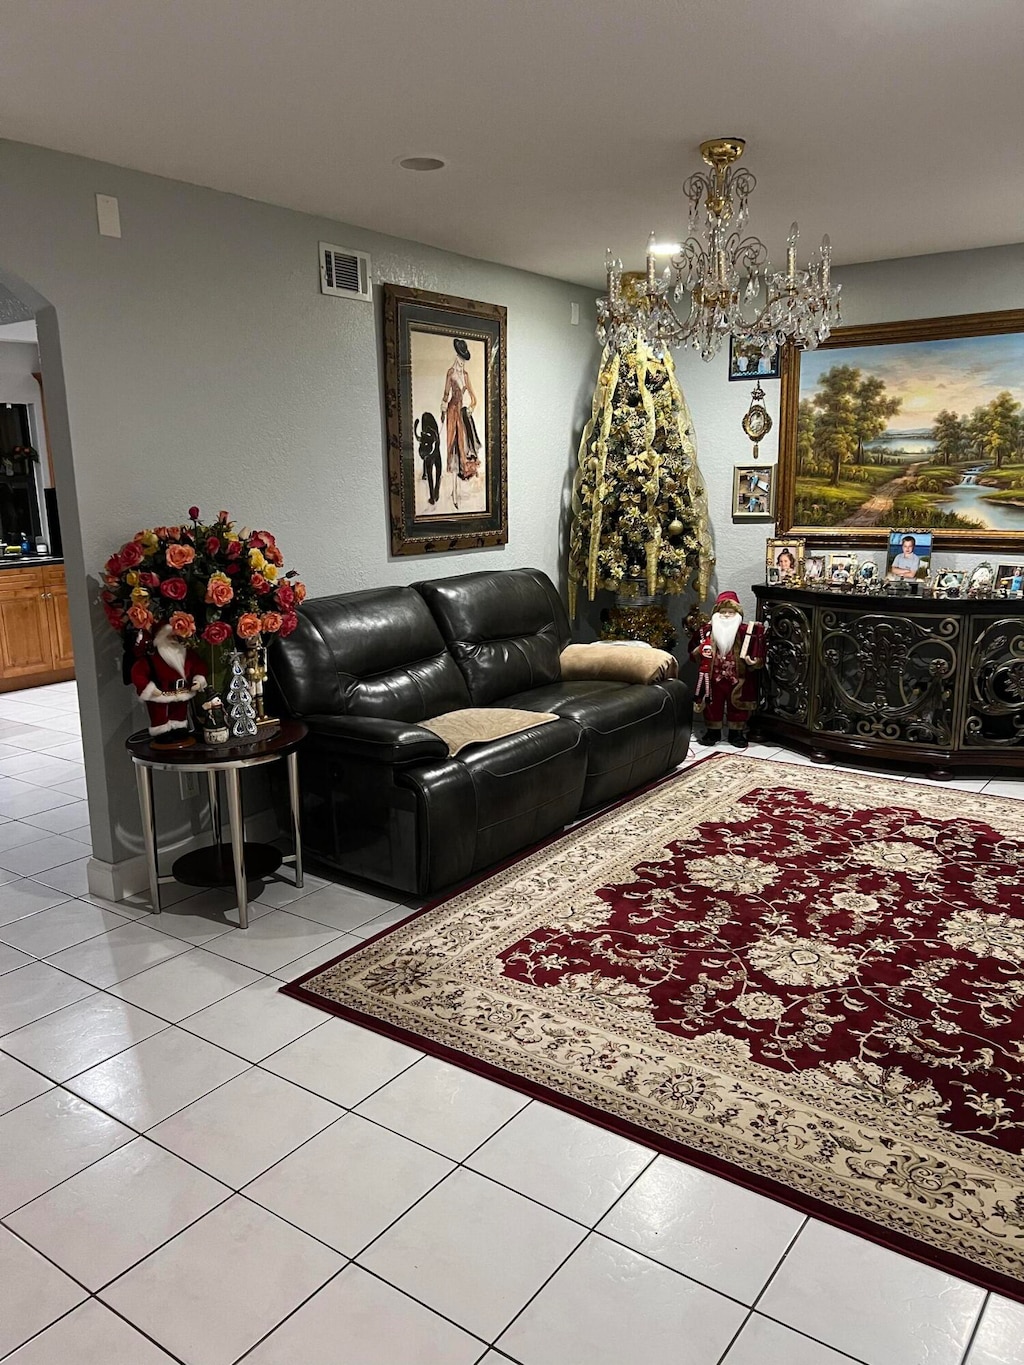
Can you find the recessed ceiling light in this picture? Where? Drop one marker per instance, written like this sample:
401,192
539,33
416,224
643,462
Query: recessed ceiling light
420,163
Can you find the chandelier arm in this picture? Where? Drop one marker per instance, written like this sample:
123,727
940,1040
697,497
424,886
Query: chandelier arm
748,249
742,182
697,187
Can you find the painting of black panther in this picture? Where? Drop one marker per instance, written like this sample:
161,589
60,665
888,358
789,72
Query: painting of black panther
428,440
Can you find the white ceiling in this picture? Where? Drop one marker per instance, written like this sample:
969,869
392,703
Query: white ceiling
895,125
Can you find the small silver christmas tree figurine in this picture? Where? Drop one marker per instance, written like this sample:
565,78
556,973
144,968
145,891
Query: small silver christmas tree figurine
241,709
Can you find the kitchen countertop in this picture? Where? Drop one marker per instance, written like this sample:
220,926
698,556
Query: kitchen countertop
29,561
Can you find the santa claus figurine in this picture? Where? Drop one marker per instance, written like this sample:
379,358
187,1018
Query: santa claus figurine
167,676
728,652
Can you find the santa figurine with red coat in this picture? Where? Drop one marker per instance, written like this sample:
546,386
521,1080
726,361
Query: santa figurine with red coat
729,653
166,677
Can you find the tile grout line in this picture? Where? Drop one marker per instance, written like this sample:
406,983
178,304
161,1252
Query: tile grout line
965,1358
106,990
91,1294
35,956
239,1192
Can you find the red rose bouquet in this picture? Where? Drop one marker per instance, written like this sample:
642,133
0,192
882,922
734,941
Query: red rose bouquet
211,585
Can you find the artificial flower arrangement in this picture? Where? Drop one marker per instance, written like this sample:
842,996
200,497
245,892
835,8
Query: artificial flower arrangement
173,590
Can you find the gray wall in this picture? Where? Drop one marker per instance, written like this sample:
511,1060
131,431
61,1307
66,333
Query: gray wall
880,291
201,364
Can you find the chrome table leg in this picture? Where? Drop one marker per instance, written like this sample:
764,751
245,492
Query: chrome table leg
236,820
144,778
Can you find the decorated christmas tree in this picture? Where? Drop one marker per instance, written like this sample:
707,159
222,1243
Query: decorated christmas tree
639,513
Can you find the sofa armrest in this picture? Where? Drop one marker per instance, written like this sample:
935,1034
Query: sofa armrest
375,739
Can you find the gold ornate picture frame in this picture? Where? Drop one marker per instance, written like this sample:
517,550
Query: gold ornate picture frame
445,414
784,560
915,423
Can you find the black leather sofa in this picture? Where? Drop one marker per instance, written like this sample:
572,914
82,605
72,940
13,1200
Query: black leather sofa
381,797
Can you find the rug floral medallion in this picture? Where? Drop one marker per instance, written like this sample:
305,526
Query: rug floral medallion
810,980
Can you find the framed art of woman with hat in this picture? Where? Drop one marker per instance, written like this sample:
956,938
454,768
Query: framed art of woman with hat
457,404
444,400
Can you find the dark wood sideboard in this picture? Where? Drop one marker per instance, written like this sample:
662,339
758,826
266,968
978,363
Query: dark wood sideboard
906,682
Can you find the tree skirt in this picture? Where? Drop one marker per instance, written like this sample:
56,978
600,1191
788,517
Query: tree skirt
807,981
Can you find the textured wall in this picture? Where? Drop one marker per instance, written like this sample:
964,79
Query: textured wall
201,364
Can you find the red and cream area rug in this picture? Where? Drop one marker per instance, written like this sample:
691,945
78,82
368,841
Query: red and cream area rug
807,981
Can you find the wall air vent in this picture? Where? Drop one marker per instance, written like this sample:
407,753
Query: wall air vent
344,273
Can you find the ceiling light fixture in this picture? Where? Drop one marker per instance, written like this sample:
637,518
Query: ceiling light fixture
732,289
421,163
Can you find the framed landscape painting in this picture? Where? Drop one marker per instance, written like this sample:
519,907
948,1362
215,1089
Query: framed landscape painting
907,424
444,399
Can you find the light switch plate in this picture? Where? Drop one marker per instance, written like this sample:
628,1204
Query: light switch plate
108,215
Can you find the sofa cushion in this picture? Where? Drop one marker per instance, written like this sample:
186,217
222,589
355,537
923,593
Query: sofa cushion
372,653
632,730
495,798
505,629
527,785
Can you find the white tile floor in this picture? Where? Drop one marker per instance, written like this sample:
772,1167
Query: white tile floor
198,1169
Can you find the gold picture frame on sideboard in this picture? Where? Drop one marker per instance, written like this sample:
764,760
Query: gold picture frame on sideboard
940,443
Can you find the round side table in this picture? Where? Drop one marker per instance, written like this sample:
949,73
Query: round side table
220,865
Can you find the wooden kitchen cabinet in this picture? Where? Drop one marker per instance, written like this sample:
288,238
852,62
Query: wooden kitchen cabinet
56,589
35,632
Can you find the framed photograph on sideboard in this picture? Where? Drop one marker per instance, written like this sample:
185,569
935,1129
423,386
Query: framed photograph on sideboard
784,560
907,423
909,554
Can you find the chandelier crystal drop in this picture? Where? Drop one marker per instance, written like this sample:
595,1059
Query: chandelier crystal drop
732,289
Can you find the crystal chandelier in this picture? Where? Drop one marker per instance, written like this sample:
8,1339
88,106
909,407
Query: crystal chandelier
732,288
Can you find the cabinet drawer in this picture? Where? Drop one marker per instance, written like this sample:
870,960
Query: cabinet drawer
16,581
53,575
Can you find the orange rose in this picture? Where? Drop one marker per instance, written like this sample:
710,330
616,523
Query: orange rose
181,623
299,589
141,617
180,555
219,591
272,622
249,625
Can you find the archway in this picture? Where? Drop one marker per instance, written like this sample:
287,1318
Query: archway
102,878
